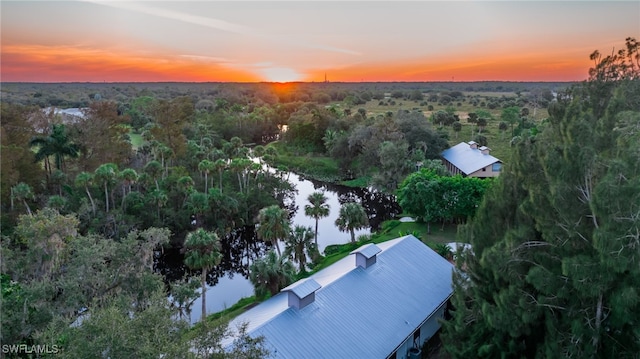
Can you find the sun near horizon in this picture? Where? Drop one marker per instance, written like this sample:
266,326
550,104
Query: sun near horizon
385,41
42,64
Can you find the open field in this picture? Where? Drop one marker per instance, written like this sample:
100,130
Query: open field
497,140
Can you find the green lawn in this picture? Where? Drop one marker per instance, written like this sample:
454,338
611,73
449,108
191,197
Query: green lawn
319,167
391,230
135,139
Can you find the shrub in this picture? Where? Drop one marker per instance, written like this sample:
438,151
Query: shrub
444,251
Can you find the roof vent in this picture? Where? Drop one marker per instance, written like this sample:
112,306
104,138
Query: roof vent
473,144
485,150
302,293
366,255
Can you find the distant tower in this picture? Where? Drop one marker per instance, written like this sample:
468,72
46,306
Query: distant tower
325,77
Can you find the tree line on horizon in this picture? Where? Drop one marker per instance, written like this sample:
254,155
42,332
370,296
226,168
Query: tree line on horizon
554,238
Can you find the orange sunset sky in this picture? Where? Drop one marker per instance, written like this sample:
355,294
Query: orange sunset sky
242,41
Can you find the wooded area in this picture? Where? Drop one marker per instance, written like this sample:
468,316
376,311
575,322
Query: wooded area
554,270
89,201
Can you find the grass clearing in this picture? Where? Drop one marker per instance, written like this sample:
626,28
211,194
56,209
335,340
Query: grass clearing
319,167
226,315
135,139
361,182
498,141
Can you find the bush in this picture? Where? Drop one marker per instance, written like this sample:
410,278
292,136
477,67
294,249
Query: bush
332,249
444,251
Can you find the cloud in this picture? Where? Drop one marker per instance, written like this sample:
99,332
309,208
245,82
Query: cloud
217,24
217,60
40,63
175,15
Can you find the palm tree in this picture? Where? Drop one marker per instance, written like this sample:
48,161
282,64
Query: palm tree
22,192
235,146
258,151
154,169
206,166
298,244
352,216
85,179
270,153
317,209
270,274
198,204
185,186
274,224
159,198
57,202
240,167
58,178
220,165
106,174
128,176
57,144
203,252
165,155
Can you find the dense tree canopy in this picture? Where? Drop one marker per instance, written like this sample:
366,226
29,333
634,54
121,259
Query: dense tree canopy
432,197
82,295
555,269
179,157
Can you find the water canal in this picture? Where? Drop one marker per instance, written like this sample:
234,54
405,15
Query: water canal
228,282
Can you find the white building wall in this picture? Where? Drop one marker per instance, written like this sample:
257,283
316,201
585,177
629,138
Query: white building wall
431,326
427,330
488,172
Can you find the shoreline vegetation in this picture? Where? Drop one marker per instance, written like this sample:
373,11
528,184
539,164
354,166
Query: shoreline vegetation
86,206
174,156
390,229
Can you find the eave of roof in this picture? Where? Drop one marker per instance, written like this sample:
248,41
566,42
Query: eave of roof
358,312
467,159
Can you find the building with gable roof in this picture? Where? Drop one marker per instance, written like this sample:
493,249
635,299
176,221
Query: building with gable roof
384,303
469,160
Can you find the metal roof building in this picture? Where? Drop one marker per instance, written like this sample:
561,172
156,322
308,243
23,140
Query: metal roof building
470,160
380,304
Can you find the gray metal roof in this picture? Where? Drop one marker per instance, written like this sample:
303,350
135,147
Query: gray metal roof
467,159
357,313
303,287
368,250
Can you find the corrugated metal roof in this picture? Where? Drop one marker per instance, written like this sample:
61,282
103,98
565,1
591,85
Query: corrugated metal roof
303,288
358,313
467,159
368,250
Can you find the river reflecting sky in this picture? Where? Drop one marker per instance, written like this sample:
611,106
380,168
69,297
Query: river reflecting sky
228,283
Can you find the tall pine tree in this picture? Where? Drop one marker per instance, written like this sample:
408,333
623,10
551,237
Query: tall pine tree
556,264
